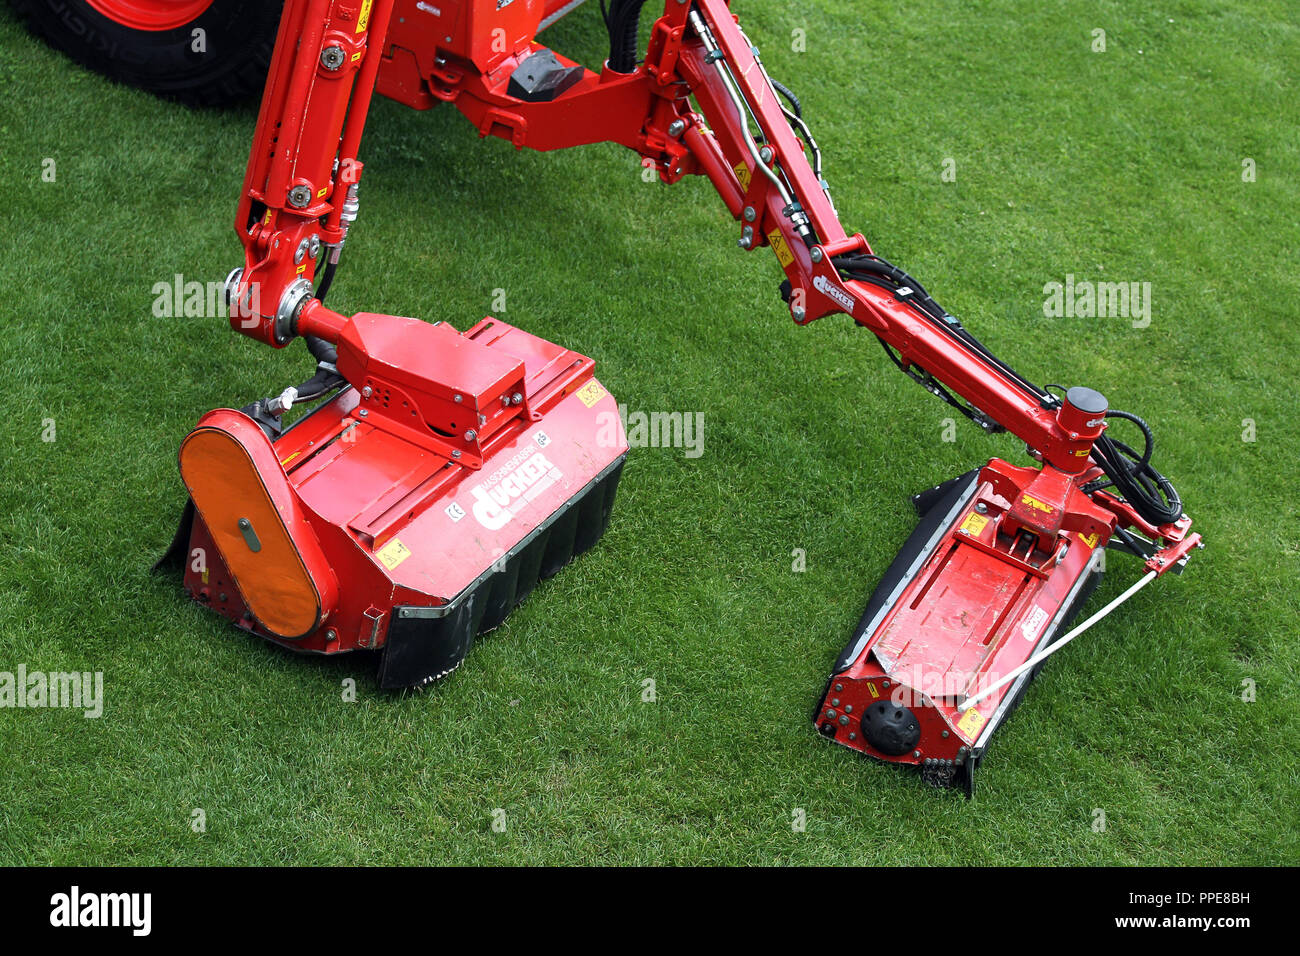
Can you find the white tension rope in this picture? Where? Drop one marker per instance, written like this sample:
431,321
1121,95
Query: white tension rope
1142,582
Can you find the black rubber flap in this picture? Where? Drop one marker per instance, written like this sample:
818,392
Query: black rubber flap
426,643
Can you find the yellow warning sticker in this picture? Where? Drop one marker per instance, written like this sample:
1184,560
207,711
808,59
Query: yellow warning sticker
393,554
970,723
591,393
1036,504
783,253
872,688
742,173
363,21
1089,539
974,523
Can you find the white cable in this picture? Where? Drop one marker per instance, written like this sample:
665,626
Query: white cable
1142,582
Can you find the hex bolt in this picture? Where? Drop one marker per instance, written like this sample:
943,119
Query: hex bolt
982,508
364,412
471,435
457,399
675,127
916,753
797,313
331,635
300,196
765,154
367,392
831,715
517,398
839,687
816,254
331,57
455,453
750,214
884,683
835,702
844,721
848,708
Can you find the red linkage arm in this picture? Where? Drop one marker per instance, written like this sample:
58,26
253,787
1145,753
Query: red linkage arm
300,187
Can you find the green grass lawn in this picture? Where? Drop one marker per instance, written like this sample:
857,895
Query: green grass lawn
1120,165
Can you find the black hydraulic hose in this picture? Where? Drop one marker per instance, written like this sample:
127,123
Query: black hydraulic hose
1150,493
321,350
785,91
867,267
622,20
327,278
324,381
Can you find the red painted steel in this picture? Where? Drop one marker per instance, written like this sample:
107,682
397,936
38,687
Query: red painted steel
432,412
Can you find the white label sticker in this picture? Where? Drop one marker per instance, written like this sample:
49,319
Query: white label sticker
455,512
824,286
1034,623
542,439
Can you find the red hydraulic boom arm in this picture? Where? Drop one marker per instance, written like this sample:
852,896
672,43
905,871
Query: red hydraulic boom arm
700,102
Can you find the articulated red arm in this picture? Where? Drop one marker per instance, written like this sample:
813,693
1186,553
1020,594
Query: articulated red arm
753,155
301,189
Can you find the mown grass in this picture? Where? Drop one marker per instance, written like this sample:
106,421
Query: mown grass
1123,165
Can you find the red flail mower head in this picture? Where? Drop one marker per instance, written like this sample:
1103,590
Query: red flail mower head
412,511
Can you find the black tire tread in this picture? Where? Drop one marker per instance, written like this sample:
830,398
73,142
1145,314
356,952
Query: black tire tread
234,79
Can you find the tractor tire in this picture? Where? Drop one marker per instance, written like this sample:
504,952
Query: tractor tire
200,52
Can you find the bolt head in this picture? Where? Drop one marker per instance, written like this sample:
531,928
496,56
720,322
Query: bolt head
750,214
367,392
816,254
